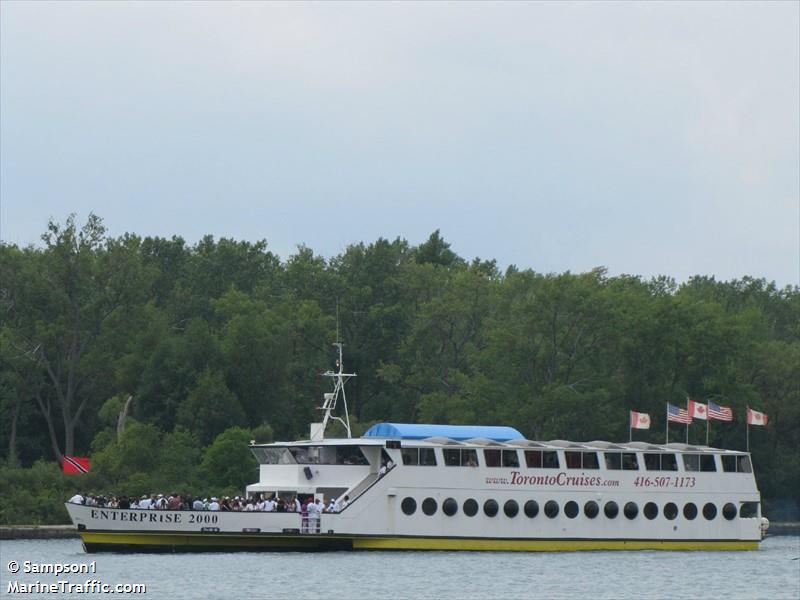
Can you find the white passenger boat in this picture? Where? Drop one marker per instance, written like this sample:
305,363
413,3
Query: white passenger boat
448,487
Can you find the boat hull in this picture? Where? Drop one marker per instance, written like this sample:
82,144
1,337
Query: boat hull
167,542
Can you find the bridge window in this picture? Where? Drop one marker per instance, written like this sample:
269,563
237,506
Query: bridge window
691,462
541,459
581,460
460,457
748,510
326,455
707,462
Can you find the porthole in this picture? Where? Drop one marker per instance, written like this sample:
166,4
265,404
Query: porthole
450,507
571,509
490,508
611,509
409,506
670,510
710,511
470,508
429,506
631,510
729,511
511,508
551,509
651,510
689,511
531,508
590,509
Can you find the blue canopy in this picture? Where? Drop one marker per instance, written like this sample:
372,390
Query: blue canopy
409,431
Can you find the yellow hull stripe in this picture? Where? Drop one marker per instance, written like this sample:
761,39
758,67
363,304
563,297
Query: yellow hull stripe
405,543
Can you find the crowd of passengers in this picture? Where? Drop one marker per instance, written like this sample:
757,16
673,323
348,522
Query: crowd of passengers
305,504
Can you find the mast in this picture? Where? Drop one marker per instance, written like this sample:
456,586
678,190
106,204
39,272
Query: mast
330,399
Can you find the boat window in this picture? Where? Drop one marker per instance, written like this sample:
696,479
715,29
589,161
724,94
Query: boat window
429,506
591,509
470,507
691,462
531,508
671,510
707,463
689,511
571,509
669,462
613,460
631,510
748,510
538,459
710,511
409,506
510,458
551,509
511,508
651,510
327,455
490,508
450,507
496,458
460,457
729,511
581,460
743,464
413,457
273,456
611,509
629,461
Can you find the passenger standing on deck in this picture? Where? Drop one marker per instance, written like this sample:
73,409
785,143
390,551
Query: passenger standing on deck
198,505
304,520
76,499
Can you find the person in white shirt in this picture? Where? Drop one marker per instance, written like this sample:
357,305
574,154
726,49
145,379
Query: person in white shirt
333,507
76,499
313,516
198,505
213,505
320,506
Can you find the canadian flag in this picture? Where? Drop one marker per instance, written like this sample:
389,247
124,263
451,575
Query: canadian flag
640,420
697,410
756,418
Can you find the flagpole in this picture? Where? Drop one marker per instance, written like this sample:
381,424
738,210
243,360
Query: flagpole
707,420
667,428
747,421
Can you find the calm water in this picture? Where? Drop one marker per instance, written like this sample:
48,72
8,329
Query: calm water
771,573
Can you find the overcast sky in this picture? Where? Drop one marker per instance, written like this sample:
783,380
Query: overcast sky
650,138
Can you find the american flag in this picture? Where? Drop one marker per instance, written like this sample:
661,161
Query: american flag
677,415
720,413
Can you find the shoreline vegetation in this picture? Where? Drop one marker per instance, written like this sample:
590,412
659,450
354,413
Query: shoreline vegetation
160,360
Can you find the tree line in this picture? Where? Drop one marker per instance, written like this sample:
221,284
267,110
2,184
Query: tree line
160,359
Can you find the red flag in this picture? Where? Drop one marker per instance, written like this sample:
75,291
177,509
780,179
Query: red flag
697,410
75,465
756,418
640,420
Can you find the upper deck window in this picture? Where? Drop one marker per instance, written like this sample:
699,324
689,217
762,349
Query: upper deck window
460,457
328,455
699,462
581,460
655,461
625,461
423,457
501,458
273,456
541,459
736,463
